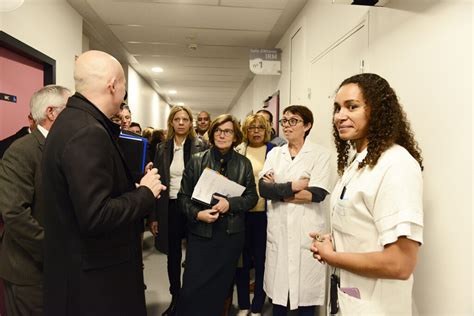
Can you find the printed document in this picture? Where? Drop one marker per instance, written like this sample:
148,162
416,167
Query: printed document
212,182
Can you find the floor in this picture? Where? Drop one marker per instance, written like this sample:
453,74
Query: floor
156,278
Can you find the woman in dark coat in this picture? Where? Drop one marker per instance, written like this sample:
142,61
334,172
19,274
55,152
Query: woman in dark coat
215,234
170,158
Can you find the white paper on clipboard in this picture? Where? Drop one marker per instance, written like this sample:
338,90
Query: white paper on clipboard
211,182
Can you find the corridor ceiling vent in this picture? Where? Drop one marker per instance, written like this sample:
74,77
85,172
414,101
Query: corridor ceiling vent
10,5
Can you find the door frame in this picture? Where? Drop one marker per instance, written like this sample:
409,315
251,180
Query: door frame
17,46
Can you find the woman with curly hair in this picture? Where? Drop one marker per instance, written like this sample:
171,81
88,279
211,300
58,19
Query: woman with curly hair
376,207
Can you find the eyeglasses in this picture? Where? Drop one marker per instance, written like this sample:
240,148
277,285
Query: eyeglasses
226,132
253,128
291,122
205,119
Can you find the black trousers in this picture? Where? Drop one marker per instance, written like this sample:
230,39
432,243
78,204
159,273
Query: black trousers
176,233
254,251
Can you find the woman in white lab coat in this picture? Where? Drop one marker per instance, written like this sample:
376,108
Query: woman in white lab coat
296,179
376,207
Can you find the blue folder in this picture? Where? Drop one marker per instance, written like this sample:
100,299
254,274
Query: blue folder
134,151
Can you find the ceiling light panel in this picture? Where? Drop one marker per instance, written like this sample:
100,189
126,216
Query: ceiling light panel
178,35
184,62
194,2
267,4
163,15
183,51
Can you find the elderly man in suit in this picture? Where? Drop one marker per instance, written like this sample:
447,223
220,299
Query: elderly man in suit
6,142
21,260
93,209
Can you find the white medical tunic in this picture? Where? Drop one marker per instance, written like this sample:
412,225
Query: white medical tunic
378,205
290,268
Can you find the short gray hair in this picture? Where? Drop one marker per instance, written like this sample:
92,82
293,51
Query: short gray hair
51,95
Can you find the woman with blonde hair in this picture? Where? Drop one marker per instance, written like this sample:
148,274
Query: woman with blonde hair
171,157
256,145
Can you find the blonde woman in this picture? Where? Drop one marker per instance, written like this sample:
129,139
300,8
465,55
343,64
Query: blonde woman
170,158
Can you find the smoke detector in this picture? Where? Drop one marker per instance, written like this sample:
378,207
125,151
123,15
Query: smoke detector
192,46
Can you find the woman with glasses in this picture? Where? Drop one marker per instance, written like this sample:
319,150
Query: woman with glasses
377,205
170,158
296,179
215,233
256,145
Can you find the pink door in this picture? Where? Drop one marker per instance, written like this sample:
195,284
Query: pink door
21,77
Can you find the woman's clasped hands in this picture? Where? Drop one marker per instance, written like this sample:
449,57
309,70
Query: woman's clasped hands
212,214
322,247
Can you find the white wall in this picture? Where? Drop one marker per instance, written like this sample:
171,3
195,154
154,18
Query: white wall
424,49
51,27
85,43
252,98
147,107
432,77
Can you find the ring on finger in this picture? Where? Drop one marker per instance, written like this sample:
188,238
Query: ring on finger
319,238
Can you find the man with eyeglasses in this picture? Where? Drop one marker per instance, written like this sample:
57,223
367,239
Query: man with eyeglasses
21,262
275,140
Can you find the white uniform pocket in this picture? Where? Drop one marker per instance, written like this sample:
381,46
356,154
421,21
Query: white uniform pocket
352,306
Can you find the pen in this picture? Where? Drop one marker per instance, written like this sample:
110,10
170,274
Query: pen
343,192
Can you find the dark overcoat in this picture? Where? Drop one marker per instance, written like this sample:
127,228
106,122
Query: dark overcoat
93,215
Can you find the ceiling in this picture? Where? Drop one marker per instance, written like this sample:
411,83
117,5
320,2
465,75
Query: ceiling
201,45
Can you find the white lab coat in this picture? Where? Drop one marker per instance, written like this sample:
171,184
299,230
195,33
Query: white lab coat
290,268
378,205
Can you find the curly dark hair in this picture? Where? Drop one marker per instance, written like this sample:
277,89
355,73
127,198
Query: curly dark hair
388,123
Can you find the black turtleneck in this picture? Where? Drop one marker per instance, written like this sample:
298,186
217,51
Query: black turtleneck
223,159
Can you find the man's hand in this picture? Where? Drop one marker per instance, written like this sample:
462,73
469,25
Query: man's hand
148,167
151,180
154,228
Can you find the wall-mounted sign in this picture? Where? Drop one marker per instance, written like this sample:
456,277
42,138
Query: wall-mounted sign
265,61
7,97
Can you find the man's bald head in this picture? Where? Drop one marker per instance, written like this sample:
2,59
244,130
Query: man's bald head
100,78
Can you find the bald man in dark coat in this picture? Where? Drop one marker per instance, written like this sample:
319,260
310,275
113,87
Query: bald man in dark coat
94,211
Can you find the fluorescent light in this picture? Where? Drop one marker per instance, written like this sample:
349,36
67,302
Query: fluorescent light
180,103
157,69
172,92
10,5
